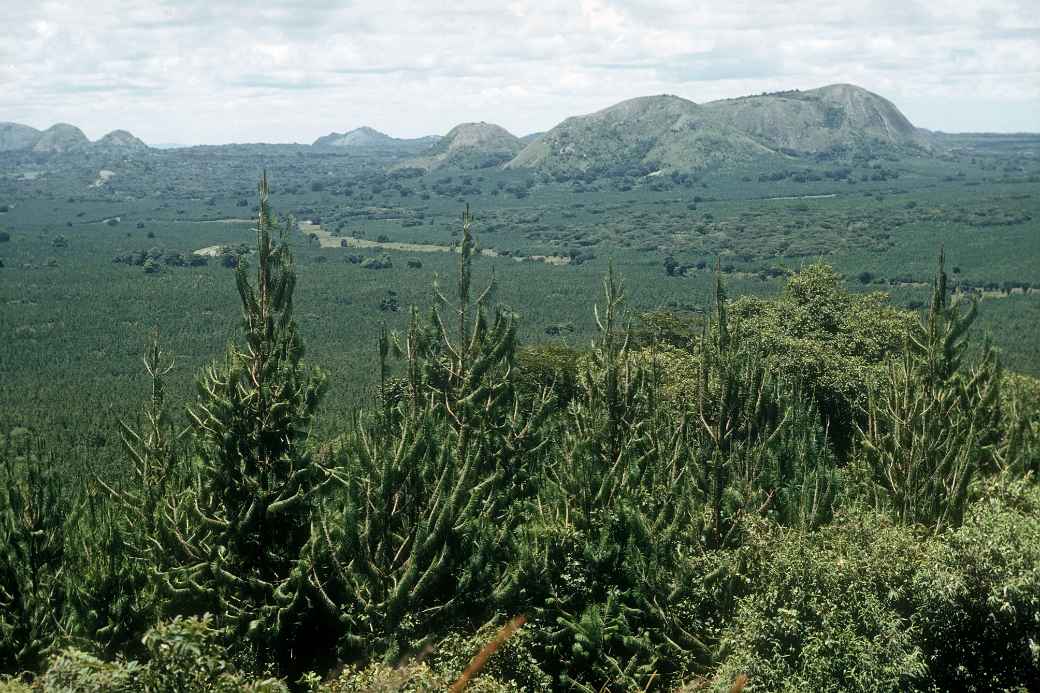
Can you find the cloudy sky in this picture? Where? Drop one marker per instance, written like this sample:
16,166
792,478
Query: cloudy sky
211,71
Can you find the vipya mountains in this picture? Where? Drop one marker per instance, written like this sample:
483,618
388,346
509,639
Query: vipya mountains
647,134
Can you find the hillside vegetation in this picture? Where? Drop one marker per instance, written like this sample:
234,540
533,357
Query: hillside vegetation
816,491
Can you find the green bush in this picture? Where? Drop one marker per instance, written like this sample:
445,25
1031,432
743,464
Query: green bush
832,342
826,611
33,591
977,597
182,655
515,664
416,677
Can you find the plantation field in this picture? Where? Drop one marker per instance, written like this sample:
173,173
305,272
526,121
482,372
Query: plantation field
73,321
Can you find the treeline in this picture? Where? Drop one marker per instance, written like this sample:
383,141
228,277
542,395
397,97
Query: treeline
814,492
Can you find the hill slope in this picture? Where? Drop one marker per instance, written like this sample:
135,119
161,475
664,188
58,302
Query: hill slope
640,135
470,146
358,137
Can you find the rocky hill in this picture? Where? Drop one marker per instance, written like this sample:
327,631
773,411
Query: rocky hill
470,146
817,120
358,137
62,138
14,137
370,138
637,136
653,133
120,139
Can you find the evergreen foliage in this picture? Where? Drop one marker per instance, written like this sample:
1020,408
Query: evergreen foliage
609,560
430,486
932,427
236,532
117,534
32,555
808,493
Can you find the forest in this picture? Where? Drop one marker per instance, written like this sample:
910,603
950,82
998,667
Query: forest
465,484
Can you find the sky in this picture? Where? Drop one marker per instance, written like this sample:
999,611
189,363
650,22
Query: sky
217,71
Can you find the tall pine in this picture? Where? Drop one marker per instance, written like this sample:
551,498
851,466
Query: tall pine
935,425
241,526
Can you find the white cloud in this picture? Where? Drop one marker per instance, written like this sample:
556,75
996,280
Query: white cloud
284,70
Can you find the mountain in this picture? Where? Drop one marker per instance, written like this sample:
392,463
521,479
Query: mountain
637,136
653,133
14,136
61,138
470,146
817,120
366,138
120,139
359,137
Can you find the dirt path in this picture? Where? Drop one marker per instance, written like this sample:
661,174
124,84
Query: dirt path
801,197
212,221
327,240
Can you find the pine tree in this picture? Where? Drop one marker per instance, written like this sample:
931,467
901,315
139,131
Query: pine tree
32,556
762,448
934,426
430,485
607,557
239,530
116,535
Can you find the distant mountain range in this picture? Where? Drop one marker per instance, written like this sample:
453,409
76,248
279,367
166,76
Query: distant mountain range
62,138
641,135
670,133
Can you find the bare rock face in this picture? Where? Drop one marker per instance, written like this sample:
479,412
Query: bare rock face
637,137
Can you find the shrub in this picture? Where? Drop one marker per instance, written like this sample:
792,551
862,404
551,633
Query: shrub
824,611
183,655
414,677
235,533
934,424
514,663
977,598
548,366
